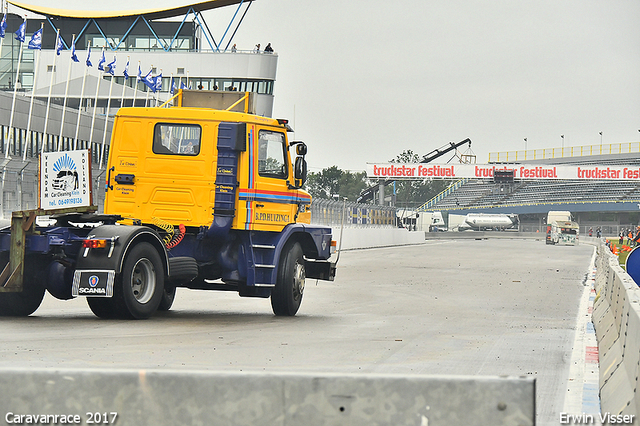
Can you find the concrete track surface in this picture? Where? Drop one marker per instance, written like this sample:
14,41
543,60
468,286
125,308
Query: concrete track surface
461,307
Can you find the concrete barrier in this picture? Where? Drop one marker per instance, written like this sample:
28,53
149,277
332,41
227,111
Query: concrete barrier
360,238
207,398
616,319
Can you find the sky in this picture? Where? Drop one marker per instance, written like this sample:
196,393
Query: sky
362,81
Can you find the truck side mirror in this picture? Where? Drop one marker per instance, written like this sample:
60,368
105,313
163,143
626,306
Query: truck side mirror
300,172
301,148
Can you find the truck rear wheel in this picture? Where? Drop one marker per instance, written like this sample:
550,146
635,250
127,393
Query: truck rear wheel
24,303
139,288
287,294
102,307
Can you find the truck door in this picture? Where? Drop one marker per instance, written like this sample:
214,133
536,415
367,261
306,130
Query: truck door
275,204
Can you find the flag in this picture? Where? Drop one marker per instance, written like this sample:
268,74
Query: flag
112,66
184,86
60,44
36,40
89,64
174,89
126,71
157,82
21,32
3,25
74,57
149,81
139,78
102,61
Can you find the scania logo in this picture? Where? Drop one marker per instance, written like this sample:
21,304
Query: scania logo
93,280
83,290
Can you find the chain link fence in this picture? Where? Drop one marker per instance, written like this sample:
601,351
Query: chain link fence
330,212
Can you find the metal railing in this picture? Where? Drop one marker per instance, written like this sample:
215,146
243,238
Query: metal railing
570,151
432,202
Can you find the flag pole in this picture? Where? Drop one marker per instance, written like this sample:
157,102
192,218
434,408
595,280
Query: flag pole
53,73
4,25
84,79
106,115
124,84
15,91
135,86
33,91
95,103
146,100
66,94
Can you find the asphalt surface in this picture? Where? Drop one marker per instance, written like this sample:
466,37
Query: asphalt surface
472,307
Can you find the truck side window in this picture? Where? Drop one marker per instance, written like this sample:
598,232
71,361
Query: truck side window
176,139
271,154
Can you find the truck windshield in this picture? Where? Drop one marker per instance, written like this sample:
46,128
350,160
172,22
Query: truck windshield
178,139
271,154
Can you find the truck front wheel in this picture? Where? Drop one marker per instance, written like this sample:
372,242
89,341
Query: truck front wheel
139,288
287,294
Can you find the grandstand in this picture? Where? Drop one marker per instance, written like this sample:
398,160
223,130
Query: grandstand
595,202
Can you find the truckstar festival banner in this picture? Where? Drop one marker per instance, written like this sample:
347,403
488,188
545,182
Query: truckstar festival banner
65,178
530,171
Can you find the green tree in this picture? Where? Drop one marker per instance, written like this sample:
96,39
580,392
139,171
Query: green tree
334,181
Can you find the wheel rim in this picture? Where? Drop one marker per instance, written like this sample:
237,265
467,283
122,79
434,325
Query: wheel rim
143,279
298,281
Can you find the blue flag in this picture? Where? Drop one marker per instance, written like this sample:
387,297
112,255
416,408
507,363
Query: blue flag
149,81
102,61
89,64
174,89
3,25
183,86
126,71
74,57
36,40
60,44
21,32
112,66
157,82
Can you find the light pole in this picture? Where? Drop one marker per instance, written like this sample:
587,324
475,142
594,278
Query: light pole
562,137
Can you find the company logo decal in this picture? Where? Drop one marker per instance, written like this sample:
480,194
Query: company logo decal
93,280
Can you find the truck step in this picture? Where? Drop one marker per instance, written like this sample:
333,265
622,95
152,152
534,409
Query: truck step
257,265
263,246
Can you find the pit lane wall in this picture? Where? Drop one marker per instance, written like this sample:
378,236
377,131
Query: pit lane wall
139,397
616,319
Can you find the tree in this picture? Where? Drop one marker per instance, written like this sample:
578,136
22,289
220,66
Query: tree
334,181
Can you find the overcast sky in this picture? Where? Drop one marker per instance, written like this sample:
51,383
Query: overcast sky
364,80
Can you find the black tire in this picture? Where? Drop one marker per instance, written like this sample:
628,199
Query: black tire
102,307
168,296
139,287
287,294
29,299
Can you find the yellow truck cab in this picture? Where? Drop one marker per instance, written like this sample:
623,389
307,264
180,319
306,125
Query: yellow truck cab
197,196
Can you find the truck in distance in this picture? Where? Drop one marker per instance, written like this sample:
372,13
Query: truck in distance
561,228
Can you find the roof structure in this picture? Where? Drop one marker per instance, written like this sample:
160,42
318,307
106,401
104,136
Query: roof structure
172,9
